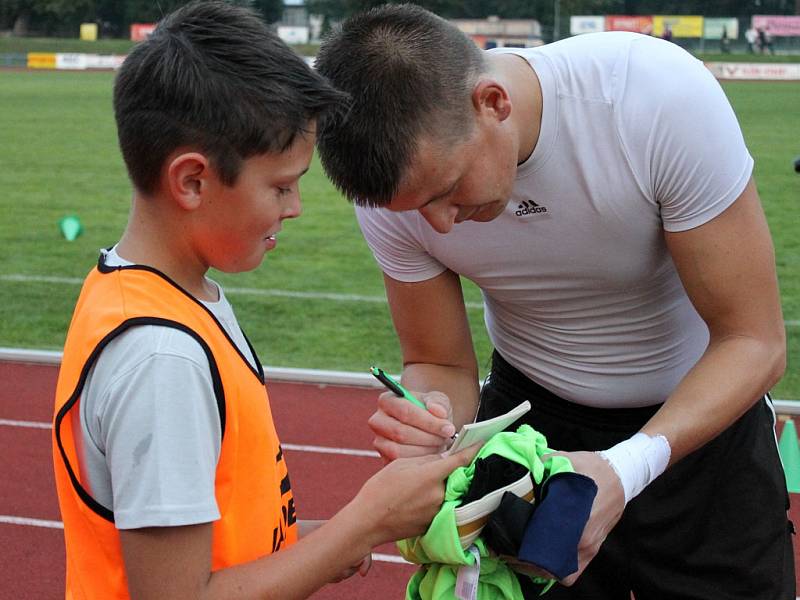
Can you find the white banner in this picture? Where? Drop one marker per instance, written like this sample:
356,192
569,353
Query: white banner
71,61
293,34
74,61
768,71
586,24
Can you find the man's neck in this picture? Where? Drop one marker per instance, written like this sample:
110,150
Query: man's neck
525,92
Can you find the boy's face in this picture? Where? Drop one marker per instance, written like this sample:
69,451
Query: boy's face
240,222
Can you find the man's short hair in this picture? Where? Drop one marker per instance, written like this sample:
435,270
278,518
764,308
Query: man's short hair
408,72
212,76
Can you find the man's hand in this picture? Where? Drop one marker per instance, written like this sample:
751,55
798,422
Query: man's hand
404,430
606,509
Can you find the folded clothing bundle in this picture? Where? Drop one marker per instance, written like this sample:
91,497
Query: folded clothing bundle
524,503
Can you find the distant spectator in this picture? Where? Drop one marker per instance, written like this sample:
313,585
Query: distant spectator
765,41
767,45
667,34
752,40
724,41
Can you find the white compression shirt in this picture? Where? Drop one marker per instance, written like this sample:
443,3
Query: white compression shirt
580,292
150,423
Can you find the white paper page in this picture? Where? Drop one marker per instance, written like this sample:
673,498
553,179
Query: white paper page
472,433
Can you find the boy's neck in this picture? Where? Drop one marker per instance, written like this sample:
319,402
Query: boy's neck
152,238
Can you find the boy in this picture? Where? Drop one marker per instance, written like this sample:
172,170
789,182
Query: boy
170,476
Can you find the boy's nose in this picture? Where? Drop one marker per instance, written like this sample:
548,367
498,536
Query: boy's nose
293,207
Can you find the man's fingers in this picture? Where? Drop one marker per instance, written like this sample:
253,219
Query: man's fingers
391,450
415,419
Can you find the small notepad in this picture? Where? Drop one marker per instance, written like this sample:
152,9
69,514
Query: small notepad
473,433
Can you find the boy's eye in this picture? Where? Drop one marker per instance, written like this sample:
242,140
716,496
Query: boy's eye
283,191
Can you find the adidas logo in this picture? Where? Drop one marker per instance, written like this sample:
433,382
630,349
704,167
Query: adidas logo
529,207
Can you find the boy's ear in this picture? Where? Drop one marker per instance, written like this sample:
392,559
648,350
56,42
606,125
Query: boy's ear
188,176
491,98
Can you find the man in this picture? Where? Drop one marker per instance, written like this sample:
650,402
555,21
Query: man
599,192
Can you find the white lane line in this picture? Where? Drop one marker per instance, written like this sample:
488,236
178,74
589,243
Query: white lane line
328,450
390,558
296,447
11,520
31,522
33,424
244,291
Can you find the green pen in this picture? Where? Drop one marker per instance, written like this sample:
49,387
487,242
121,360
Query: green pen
395,387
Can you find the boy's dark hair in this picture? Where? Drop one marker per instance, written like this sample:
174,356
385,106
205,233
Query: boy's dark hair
214,77
408,72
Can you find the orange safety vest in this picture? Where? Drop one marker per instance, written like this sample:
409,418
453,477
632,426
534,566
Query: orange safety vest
252,486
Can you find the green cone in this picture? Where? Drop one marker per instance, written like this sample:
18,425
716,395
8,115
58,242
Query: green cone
790,455
71,227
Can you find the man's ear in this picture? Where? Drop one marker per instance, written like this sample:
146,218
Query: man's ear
490,98
188,176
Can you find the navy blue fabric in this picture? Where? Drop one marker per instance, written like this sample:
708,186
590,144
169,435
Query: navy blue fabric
551,537
503,533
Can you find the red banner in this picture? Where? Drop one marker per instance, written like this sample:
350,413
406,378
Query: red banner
778,25
639,24
140,31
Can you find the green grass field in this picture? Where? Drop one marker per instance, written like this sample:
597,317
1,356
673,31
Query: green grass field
317,301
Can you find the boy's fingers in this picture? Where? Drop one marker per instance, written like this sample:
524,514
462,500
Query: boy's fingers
365,565
461,458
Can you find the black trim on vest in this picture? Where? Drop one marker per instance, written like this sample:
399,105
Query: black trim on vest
258,371
255,356
219,393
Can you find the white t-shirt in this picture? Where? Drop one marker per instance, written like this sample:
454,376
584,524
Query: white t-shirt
580,291
150,423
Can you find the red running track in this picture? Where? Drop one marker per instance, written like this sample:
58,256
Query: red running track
305,415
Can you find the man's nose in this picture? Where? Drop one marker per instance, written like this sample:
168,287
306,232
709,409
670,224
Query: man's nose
440,216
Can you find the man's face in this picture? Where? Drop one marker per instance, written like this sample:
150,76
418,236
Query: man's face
471,180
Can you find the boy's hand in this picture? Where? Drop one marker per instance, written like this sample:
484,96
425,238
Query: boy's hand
404,430
401,499
362,568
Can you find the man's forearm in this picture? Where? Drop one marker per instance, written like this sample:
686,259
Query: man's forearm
732,374
460,384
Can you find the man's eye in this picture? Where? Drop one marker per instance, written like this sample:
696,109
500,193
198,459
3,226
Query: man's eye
284,191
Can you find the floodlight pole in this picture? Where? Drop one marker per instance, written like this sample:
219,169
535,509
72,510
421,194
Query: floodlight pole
557,18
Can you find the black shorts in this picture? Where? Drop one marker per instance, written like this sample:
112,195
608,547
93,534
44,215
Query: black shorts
713,526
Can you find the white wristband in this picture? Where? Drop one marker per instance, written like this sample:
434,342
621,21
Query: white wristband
638,461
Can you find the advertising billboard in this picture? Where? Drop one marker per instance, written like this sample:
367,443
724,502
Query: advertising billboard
586,24
682,26
714,28
778,25
639,24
